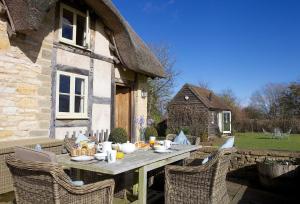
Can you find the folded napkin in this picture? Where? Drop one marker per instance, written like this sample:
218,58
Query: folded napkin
181,139
81,138
228,144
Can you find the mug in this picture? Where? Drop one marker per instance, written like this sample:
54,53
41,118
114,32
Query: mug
167,144
105,146
111,156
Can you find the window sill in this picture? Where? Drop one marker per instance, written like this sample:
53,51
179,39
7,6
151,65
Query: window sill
74,46
71,117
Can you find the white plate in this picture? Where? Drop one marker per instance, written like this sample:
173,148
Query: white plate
162,151
82,158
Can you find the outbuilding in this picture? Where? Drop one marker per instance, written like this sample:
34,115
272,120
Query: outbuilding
199,110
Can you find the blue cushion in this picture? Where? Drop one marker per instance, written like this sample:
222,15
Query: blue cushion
77,183
181,139
228,144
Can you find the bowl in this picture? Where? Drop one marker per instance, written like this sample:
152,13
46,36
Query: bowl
127,148
100,156
159,147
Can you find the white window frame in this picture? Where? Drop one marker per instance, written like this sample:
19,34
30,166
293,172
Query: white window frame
75,13
226,112
212,115
72,114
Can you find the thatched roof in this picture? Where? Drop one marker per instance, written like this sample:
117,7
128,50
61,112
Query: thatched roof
208,98
26,15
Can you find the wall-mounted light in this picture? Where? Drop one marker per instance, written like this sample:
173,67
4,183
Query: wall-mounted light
144,94
186,98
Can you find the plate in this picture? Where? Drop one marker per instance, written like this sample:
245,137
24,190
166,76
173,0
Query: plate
82,158
162,151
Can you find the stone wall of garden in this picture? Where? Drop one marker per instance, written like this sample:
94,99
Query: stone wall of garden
243,162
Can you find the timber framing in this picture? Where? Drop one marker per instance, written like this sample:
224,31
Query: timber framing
113,95
101,100
81,51
71,123
75,70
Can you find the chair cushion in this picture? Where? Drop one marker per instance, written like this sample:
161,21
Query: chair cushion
27,154
77,183
228,144
182,139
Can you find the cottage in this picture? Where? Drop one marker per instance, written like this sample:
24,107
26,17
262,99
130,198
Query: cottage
70,65
199,110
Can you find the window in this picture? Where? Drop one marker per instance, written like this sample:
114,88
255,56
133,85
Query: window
74,27
72,93
212,117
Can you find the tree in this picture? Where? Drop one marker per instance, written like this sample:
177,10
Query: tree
204,84
267,99
160,90
232,101
253,113
290,101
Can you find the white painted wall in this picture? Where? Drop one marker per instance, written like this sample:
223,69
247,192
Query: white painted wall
101,117
72,59
101,40
102,79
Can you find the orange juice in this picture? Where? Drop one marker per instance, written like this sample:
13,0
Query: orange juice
152,141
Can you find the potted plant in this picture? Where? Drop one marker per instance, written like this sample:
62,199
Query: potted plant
277,173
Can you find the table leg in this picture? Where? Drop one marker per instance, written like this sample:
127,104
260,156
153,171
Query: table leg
142,198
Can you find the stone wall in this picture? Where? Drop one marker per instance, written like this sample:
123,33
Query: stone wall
243,162
25,82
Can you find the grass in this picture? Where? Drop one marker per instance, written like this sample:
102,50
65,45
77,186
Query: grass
261,141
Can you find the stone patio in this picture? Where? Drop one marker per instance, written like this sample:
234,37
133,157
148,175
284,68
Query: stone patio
238,193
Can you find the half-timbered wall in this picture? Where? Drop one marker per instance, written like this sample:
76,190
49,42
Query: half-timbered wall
28,73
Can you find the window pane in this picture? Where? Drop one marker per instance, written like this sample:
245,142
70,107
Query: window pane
79,105
79,86
64,103
80,30
64,84
67,24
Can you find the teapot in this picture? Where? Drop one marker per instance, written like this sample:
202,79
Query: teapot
127,148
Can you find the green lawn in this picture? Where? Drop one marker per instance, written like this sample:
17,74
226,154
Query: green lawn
260,141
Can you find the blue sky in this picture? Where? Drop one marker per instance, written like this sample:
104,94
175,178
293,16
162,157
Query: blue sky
237,44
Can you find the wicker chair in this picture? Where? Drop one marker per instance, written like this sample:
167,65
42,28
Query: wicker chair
194,140
197,183
45,182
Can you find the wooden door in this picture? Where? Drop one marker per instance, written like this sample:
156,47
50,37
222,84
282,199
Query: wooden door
123,109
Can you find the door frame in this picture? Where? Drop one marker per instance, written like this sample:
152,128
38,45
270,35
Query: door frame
224,112
129,85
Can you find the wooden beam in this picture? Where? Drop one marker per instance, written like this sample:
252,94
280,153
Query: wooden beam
75,70
101,100
113,95
71,123
53,92
82,51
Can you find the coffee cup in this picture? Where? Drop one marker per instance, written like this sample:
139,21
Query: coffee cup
167,143
111,156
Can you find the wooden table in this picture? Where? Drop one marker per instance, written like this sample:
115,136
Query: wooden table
143,161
